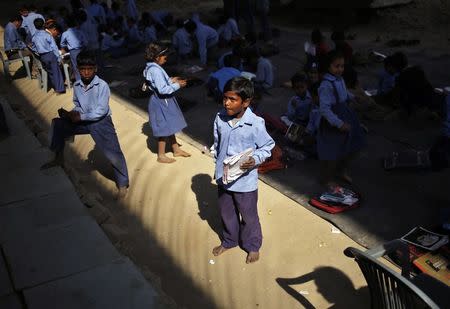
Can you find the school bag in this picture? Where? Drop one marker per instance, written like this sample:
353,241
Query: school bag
336,200
275,162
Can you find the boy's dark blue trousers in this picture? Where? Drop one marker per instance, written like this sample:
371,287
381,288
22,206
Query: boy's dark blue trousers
51,65
104,135
240,219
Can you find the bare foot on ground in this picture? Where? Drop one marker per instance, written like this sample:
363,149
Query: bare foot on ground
181,153
219,250
164,159
252,257
121,193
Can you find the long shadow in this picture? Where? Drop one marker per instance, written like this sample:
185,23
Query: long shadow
330,283
205,191
151,140
386,196
146,250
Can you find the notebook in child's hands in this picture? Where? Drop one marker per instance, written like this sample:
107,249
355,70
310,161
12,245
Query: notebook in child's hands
232,166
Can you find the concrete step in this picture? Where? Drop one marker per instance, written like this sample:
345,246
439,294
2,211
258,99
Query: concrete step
57,252
117,285
38,213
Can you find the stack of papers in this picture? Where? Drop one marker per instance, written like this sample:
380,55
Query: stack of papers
232,166
340,195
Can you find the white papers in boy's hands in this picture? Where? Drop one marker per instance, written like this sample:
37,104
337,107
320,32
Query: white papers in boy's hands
232,166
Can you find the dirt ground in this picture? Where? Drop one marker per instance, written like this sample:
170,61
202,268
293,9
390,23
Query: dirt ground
170,221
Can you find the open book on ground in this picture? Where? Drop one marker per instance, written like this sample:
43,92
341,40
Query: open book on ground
425,239
232,166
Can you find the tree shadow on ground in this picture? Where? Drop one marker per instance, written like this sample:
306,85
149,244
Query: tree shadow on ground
330,283
206,191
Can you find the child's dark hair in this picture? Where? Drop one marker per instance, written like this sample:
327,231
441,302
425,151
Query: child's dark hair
16,18
399,61
86,58
242,86
39,23
299,78
329,59
232,61
154,50
316,36
190,26
71,21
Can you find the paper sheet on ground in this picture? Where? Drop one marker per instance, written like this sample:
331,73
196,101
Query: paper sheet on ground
232,166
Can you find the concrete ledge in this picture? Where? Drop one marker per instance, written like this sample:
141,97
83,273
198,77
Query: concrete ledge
57,252
117,285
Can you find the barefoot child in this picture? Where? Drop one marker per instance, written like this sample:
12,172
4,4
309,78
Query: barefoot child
340,135
166,117
237,128
91,115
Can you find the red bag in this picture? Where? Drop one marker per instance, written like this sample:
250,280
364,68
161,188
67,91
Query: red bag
331,207
275,162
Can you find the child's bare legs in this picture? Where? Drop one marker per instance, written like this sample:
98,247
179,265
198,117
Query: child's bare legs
177,152
162,158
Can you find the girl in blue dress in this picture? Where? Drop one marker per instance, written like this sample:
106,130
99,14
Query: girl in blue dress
340,136
165,115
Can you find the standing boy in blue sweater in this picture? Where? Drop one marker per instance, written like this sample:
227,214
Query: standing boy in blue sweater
237,128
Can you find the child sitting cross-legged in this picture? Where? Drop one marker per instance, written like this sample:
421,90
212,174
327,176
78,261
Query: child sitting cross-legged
299,105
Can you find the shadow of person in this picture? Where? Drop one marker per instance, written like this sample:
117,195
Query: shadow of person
206,194
96,160
152,143
332,284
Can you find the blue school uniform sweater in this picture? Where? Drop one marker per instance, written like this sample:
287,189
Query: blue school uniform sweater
92,102
327,97
224,74
386,82
249,132
264,72
298,108
181,41
43,42
28,23
73,38
229,30
11,38
97,11
207,37
149,35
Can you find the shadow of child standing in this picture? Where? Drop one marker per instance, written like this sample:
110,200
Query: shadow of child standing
206,194
332,284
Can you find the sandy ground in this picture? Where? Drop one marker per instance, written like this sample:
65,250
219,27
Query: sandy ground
169,222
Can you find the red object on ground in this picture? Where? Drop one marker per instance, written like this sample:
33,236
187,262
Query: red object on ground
275,162
330,207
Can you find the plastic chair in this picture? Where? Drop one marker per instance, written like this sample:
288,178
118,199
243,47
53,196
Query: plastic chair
6,62
388,289
42,76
